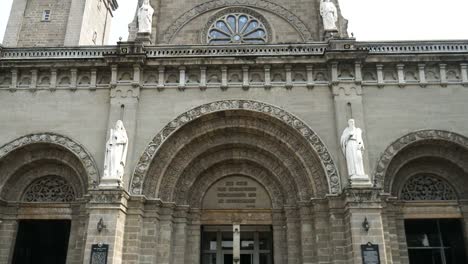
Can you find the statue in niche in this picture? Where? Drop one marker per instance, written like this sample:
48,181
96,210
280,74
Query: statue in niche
352,146
145,17
116,153
329,15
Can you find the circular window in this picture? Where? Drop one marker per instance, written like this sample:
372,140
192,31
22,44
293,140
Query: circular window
237,28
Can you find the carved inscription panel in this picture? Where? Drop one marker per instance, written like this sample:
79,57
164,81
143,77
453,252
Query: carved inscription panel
236,192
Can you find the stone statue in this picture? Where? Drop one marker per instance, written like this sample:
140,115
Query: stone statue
352,146
116,154
145,17
329,15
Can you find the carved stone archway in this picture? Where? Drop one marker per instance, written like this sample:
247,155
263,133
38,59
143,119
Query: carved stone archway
408,140
293,123
287,15
62,141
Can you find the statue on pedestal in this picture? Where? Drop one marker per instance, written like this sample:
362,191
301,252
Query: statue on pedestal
145,17
116,155
329,15
353,146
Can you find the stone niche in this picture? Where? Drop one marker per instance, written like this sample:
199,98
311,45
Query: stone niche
236,192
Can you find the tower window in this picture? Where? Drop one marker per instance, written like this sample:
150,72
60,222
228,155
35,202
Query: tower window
46,15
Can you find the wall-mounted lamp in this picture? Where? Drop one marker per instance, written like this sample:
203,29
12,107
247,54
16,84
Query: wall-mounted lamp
100,225
366,225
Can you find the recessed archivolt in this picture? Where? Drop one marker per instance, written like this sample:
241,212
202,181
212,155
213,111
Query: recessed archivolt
438,166
247,169
395,156
274,8
31,162
64,142
234,143
244,158
312,142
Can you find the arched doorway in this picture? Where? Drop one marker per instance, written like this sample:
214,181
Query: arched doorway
235,163
43,182
427,173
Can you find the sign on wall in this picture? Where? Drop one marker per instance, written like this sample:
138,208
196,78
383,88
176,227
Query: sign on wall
370,254
99,253
236,192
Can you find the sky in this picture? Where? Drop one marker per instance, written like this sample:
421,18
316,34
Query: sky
368,19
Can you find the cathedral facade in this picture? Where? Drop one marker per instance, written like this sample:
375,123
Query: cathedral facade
228,131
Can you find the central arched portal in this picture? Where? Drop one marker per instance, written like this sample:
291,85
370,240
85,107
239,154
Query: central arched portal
236,165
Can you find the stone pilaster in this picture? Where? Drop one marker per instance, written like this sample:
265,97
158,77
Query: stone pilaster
166,234
111,207
307,233
347,98
192,255
180,234
124,99
134,231
279,236
362,204
8,230
293,235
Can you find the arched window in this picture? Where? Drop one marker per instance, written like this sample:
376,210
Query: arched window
49,189
237,27
427,187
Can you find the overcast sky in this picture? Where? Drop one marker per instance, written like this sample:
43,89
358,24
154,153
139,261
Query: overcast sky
368,19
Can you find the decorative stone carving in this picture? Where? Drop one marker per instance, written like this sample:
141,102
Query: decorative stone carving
185,18
328,164
116,156
353,146
427,187
329,15
219,30
411,138
62,141
145,17
49,189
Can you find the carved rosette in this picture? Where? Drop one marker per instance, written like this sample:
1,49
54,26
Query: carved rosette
328,164
181,21
403,142
65,142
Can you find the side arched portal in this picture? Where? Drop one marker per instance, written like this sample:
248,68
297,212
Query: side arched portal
426,172
43,182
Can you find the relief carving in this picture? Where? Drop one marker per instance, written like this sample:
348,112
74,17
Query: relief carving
388,155
65,142
185,18
328,164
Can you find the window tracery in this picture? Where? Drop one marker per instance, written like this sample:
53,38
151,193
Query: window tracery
427,187
237,26
52,189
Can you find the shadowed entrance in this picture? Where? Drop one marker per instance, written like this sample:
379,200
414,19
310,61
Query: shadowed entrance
42,242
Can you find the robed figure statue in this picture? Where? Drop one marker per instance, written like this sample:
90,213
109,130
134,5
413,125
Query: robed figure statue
352,146
329,15
116,155
145,17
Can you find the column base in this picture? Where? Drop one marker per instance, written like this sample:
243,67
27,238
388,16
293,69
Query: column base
361,181
110,184
144,38
330,34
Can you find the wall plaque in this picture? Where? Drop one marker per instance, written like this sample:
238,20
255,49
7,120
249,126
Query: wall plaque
370,254
236,192
99,253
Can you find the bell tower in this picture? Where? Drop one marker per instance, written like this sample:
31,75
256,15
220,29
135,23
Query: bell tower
35,23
